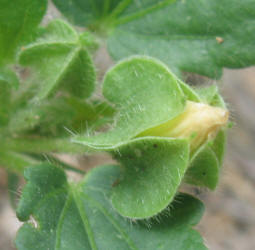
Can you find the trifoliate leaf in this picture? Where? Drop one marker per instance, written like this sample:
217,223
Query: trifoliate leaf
80,217
58,62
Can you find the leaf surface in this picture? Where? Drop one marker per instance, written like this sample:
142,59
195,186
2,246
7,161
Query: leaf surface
18,21
81,217
153,171
192,36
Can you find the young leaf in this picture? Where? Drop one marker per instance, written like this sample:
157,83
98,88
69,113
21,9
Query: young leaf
80,217
18,21
194,36
59,61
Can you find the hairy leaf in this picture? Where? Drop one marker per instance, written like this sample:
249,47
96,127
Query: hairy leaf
18,21
59,61
81,217
145,93
153,171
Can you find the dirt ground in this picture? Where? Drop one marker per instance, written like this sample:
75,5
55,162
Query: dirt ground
229,220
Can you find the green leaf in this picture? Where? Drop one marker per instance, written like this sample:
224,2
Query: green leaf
153,171
18,21
145,93
59,61
80,216
86,12
148,98
194,36
8,81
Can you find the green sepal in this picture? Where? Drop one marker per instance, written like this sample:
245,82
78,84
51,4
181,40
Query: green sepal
203,169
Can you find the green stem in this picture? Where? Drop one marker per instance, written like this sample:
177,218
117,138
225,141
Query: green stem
15,162
41,145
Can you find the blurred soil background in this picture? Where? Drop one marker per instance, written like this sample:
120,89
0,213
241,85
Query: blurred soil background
229,219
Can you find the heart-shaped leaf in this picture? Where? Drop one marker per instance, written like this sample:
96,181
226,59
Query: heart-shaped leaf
153,171
18,21
80,217
145,93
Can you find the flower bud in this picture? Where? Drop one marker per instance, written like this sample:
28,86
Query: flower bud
200,122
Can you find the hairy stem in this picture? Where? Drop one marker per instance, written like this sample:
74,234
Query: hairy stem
41,145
